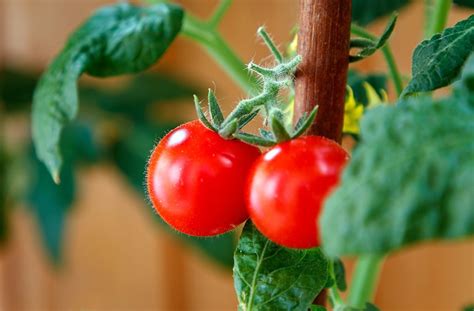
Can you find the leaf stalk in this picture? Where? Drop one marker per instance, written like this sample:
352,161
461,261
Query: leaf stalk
365,280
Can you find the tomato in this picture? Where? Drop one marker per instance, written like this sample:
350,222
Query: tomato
287,187
196,180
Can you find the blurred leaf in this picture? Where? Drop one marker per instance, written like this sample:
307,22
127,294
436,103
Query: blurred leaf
3,195
371,307
117,39
437,62
469,307
356,81
465,3
340,274
271,277
16,89
410,179
49,202
131,154
367,11
136,98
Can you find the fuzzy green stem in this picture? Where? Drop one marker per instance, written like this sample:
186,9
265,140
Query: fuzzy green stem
333,291
364,281
439,17
388,55
216,46
270,44
393,69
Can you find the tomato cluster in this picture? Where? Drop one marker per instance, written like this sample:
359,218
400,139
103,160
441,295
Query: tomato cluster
202,184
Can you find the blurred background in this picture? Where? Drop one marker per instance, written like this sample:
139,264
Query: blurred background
93,243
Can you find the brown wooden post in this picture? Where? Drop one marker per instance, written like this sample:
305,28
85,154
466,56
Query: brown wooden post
323,42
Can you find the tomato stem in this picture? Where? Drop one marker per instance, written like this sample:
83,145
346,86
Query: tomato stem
438,17
219,13
333,291
211,40
364,281
388,55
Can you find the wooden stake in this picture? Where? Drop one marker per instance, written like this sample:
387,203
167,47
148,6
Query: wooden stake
323,42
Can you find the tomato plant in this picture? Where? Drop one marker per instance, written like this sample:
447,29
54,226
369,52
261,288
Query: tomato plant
408,180
288,185
195,180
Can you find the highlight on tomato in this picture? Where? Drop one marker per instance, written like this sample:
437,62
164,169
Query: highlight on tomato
196,180
288,185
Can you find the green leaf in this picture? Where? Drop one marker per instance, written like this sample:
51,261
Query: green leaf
469,307
278,126
254,139
368,48
304,123
49,202
409,180
117,39
317,308
465,3
340,274
270,277
367,11
243,121
214,109
229,129
438,61
202,116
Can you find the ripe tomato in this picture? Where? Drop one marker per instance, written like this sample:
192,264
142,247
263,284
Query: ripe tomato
287,187
196,180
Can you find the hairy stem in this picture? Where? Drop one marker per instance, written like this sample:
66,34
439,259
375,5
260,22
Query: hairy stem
220,51
364,281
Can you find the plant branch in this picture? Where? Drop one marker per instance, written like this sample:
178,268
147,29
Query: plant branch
365,280
438,17
217,47
333,291
219,13
388,55
206,35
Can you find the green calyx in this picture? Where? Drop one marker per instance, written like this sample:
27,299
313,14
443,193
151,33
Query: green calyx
267,102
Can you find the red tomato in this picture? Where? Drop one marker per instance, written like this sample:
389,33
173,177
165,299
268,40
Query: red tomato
196,180
287,187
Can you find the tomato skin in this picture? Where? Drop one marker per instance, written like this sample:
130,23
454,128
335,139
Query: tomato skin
196,180
287,187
